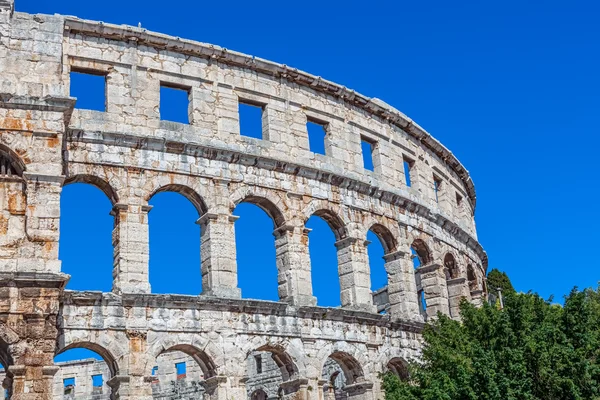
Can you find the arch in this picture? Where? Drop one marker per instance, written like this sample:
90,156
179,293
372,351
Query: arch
5,356
266,199
422,251
208,367
10,163
193,345
96,181
385,237
185,191
259,394
351,368
472,278
283,360
334,221
103,352
450,266
399,367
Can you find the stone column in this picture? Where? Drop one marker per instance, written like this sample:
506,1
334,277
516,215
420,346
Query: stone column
218,256
293,265
458,289
131,249
402,288
135,381
355,279
433,283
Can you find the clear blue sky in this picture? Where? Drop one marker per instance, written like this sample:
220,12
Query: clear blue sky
512,89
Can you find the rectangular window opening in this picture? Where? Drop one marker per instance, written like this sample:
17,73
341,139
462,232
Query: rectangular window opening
250,114
408,166
367,147
154,370
459,200
258,360
69,385
181,370
437,185
317,131
89,87
97,380
174,103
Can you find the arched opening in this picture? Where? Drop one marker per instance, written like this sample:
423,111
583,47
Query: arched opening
450,267
344,377
255,248
420,256
85,370
380,243
174,265
472,278
86,233
259,394
325,230
398,367
181,371
270,370
10,163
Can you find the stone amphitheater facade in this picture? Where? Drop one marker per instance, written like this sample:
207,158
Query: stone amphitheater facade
131,154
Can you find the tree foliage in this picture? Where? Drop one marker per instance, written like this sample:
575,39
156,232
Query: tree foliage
532,349
497,279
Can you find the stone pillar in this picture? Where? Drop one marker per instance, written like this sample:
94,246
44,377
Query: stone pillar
355,279
293,265
29,306
135,383
402,288
458,289
218,256
131,249
433,283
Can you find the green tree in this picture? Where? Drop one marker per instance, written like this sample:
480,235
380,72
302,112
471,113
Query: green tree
531,350
497,279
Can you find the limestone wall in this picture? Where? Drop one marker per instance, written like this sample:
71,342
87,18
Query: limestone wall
131,154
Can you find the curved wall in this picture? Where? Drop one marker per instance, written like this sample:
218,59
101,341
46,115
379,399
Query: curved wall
131,154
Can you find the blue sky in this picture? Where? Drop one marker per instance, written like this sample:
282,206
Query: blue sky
512,88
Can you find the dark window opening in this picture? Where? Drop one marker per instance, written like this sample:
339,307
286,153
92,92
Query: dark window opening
181,370
459,200
317,131
367,148
408,165
174,104
90,90
437,186
258,360
251,123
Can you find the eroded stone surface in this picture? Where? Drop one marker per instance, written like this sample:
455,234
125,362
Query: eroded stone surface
131,154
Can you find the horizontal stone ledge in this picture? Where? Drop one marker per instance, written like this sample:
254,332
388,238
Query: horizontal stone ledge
247,306
48,103
36,279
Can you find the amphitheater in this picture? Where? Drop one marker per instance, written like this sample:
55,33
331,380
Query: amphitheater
418,199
